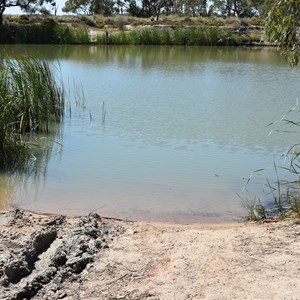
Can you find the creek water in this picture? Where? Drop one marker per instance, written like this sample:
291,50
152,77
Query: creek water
164,133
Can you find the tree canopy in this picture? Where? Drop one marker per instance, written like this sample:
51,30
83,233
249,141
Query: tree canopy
283,27
149,8
88,7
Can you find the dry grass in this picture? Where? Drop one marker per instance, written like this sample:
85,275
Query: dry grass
99,21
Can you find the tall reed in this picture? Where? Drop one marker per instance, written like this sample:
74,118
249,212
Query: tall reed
48,32
284,191
30,100
179,36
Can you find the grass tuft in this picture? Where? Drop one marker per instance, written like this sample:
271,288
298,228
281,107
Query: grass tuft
30,101
285,193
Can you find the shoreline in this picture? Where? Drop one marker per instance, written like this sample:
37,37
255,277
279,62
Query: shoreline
210,221
89,257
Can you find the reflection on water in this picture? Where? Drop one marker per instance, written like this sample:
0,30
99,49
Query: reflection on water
183,126
32,179
149,56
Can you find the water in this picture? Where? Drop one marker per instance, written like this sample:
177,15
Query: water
165,134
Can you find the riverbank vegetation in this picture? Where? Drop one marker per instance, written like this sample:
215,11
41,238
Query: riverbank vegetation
152,9
124,30
283,192
178,36
282,26
30,101
44,31
182,22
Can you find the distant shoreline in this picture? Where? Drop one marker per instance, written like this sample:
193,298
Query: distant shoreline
126,30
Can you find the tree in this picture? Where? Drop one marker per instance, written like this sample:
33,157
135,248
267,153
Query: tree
121,6
240,8
88,7
147,8
25,5
195,8
76,6
47,11
282,26
102,7
262,6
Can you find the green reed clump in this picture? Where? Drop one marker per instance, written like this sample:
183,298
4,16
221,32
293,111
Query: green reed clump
168,36
30,100
46,32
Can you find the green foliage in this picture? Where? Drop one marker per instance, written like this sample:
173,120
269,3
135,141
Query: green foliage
196,8
103,7
148,8
240,8
48,32
256,211
30,101
178,36
282,26
76,7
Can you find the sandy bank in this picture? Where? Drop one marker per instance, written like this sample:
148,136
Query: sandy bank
94,258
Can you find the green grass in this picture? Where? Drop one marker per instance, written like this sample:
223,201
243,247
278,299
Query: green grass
30,101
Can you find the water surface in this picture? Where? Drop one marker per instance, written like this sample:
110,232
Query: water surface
165,133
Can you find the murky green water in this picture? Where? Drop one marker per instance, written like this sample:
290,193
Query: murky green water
166,133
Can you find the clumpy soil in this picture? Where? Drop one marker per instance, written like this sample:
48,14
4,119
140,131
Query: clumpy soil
44,257
58,257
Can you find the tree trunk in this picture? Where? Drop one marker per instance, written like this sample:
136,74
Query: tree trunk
1,17
157,14
236,9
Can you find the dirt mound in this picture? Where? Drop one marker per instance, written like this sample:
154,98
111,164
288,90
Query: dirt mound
40,255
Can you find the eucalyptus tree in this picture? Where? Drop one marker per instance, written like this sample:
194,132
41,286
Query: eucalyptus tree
262,7
240,8
148,8
30,6
89,7
102,7
282,26
77,6
196,8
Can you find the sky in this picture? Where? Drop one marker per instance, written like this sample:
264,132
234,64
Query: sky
16,10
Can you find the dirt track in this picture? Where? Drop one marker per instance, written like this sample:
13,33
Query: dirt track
44,257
